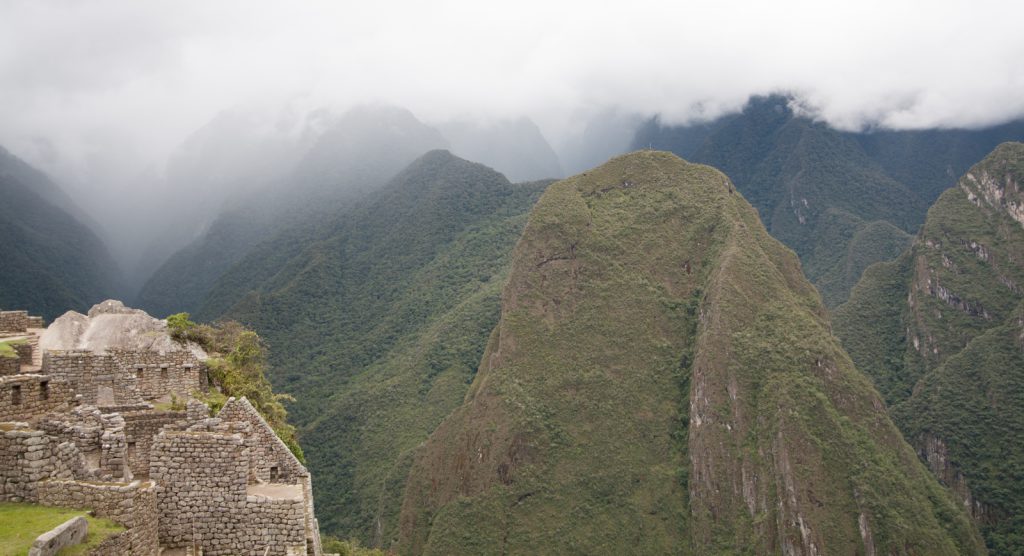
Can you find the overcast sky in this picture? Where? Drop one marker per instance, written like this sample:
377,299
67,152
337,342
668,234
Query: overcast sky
121,82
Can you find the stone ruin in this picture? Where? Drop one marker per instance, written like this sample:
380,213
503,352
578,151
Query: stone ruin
80,427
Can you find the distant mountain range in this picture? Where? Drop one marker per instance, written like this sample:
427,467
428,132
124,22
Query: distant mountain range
841,200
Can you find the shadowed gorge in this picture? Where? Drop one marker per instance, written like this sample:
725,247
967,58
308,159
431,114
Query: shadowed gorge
50,260
647,302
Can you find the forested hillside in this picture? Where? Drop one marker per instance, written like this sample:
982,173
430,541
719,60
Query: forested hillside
376,320
357,154
941,332
841,200
663,380
50,260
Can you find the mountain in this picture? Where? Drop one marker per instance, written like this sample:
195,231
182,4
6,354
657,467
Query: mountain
51,260
516,148
941,332
662,379
237,152
841,200
377,320
356,154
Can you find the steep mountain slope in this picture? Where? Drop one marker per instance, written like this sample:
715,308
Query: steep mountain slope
516,148
663,380
940,331
50,261
376,323
357,154
840,200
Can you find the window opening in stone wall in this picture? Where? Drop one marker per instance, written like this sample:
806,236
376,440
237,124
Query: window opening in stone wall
15,395
44,390
163,372
274,473
138,373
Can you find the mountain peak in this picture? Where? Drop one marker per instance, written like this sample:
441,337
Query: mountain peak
647,302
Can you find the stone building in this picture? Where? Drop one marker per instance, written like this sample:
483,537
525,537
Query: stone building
78,428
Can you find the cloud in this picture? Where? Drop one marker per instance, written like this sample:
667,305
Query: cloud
122,80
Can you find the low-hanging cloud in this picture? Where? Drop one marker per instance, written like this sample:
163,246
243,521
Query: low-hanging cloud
103,83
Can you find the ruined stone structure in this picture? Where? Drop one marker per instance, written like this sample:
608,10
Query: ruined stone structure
14,321
96,378
77,429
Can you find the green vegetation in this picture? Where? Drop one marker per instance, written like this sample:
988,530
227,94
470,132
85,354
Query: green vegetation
21,523
353,547
377,322
238,368
660,378
940,329
840,200
6,349
357,154
52,261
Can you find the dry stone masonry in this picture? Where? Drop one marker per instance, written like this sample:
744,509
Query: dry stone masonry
79,428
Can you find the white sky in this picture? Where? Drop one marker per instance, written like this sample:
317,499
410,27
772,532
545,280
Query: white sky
111,86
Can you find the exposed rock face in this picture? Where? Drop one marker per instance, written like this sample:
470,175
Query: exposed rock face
937,329
111,326
663,379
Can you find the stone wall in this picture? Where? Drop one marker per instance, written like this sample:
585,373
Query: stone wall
9,366
160,373
272,461
99,437
24,352
95,378
28,456
132,505
25,397
13,321
141,427
35,322
203,479
277,523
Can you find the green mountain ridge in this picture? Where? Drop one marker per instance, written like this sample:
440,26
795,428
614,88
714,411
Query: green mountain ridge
820,190
50,260
394,298
356,155
662,379
940,332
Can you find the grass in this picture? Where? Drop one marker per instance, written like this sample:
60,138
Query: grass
6,349
21,523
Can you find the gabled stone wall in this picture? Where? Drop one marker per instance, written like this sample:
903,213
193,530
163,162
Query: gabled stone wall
25,397
272,461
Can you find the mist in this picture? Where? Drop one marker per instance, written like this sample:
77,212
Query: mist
110,96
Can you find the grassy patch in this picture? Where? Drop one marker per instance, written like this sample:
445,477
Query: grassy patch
21,523
7,349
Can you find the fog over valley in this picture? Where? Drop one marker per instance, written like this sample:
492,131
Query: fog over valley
144,111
